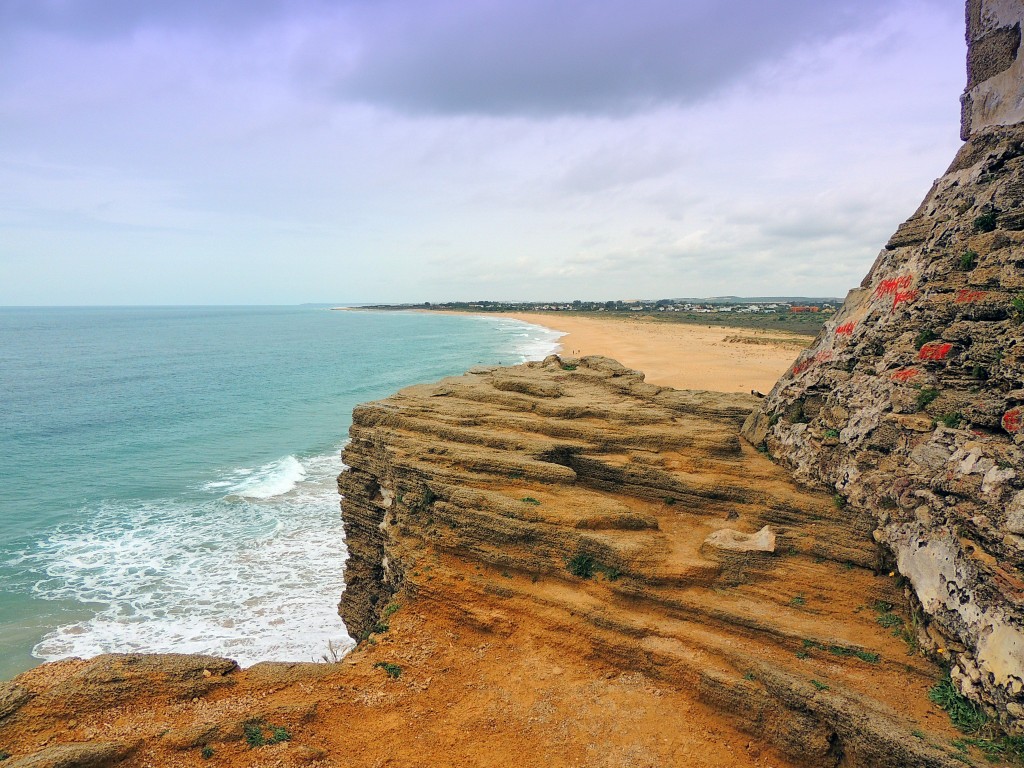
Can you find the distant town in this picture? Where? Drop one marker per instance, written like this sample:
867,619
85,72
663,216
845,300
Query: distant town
789,313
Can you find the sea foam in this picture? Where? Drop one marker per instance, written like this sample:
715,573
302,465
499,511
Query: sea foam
254,573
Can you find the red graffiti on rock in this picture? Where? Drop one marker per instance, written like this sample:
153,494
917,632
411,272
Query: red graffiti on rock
934,350
1012,420
967,296
901,297
892,285
846,329
905,375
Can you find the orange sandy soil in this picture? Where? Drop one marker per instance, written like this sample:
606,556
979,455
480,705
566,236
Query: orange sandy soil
680,355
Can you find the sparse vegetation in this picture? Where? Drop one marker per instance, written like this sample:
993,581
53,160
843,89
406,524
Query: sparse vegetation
749,676
798,601
252,730
530,500
207,752
568,367
926,397
917,734
1017,305
968,261
4,755
832,433
391,610
581,565
839,500
951,420
844,650
963,713
585,566
986,222
979,372
278,733
669,501
393,670
334,653
819,685
380,628
926,335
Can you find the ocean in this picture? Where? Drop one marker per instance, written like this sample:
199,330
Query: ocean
168,479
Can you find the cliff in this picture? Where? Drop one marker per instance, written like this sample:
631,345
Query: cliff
910,402
568,504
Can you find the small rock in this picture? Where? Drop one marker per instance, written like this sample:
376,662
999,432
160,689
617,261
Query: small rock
733,541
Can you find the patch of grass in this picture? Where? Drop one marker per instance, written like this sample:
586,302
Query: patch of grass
844,650
207,753
803,655
924,337
515,475
926,397
917,734
530,500
390,611
968,260
581,565
506,574
1017,304
568,367
394,671
749,676
960,745
4,755
951,420
380,628
819,685
798,601
986,222
1000,748
252,730
979,372
832,433
963,713
669,501
278,733
889,620
839,500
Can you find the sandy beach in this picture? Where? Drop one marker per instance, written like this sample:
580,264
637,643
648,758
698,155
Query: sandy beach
680,355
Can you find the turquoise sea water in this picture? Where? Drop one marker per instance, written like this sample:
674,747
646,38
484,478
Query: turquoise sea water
168,474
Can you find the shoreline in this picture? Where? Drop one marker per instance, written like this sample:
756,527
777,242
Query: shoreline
681,356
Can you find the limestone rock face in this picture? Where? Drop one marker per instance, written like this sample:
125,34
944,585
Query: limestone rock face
569,501
910,403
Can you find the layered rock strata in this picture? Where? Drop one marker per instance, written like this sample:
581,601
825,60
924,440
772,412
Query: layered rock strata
571,498
910,403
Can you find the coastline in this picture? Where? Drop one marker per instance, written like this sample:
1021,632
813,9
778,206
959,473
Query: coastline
678,355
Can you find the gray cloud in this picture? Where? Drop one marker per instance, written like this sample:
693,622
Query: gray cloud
535,57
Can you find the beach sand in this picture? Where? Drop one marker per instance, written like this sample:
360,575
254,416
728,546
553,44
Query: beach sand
677,354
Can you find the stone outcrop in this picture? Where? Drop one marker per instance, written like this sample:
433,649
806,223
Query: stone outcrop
631,518
910,402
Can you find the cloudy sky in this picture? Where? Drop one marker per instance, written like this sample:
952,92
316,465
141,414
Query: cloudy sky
286,151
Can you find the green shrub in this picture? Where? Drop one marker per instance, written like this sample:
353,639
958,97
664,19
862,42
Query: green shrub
253,732
393,670
819,685
568,367
1017,304
963,713
831,433
278,733
207,753
390,611
839,500
986,222
968,260
951,420
924,337
581,565
926,397
530,500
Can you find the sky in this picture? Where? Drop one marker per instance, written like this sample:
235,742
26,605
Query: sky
358,151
